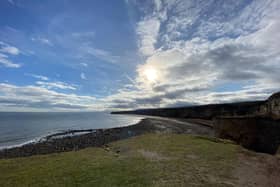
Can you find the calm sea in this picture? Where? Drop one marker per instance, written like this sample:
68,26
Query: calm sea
17,128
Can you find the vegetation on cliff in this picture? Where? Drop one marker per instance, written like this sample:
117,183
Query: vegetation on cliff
152,159
146,160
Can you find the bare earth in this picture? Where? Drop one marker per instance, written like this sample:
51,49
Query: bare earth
258,170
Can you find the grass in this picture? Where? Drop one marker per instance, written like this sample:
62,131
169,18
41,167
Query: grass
147,160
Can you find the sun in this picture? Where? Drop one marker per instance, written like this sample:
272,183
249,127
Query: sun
151,74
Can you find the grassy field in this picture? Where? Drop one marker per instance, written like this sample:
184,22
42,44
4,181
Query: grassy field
147,160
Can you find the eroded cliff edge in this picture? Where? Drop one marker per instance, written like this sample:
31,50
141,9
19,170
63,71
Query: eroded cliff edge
254,124
269,108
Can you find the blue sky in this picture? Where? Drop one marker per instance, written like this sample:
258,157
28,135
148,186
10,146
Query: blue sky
51,36
109,55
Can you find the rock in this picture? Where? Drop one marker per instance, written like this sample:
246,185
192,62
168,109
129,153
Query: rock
274,105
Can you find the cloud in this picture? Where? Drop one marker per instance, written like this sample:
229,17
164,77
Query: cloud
41,77
45,83
75,43
211,20
194,46
7,63
56,85
200,46
158,5
5,51
42,40
83,35
147,31
84,64
8,49
83,76
101,54
11,1
34,98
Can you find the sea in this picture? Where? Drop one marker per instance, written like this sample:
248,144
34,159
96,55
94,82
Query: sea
19,128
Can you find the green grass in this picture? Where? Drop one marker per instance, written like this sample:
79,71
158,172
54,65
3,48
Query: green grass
148,160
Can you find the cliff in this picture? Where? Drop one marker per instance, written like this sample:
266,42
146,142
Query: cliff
255,124
261,134
268,108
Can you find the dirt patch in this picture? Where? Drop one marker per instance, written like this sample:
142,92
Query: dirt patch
258,170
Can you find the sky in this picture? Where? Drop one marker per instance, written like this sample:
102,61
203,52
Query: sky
95,55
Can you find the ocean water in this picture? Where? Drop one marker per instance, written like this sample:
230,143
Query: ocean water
17,128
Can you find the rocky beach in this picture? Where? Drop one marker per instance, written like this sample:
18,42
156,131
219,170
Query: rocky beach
78,139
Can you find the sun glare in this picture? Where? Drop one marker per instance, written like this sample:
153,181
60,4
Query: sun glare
151,74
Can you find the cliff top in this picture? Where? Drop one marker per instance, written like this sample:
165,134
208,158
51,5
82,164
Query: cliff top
275,96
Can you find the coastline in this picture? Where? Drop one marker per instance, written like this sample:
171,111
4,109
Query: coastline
20,128
43,138
79,139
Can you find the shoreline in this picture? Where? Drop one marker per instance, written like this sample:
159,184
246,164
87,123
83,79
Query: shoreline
73,140
66,131
48,137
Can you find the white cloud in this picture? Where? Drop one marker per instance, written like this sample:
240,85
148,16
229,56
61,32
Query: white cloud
8,49
158,4
98,53
8,63
41,77
194,47
42,40
5,51
200,46
56,85
148,30
34,98
83,76
84,64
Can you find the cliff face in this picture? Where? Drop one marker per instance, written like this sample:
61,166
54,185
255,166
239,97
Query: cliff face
255,125
268,108
257,133
260,132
